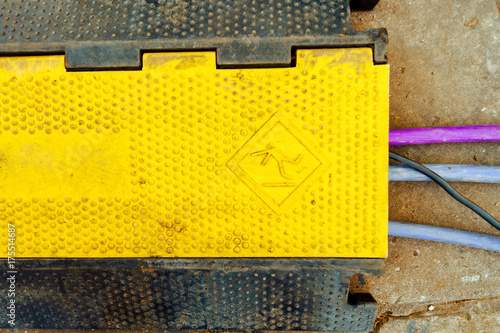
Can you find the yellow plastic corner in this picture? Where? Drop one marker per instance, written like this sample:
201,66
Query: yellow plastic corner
185,160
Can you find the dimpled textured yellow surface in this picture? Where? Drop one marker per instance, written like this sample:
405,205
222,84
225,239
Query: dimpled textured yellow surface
182,159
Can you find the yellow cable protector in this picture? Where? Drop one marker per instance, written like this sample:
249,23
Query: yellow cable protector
181,159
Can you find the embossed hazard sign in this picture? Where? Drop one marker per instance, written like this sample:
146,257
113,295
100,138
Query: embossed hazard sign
276,162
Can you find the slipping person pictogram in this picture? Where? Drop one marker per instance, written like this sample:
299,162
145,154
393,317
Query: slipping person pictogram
280,158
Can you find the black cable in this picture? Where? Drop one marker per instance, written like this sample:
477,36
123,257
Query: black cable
447,187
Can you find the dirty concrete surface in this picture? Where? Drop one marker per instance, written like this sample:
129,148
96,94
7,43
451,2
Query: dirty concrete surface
445,71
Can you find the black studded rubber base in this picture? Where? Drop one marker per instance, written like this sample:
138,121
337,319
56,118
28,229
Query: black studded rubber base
189,294
106,34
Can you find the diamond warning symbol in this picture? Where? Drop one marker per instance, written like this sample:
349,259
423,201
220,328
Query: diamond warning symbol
274,163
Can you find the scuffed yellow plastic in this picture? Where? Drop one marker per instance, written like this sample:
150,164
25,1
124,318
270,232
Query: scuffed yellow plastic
181,159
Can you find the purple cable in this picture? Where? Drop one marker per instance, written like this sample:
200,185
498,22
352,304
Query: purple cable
416,136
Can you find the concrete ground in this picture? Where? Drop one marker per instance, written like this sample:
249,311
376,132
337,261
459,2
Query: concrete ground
445,71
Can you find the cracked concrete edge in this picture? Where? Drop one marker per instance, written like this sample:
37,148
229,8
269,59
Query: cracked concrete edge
480,315
433,309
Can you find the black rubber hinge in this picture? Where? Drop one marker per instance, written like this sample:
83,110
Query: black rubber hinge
363,4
